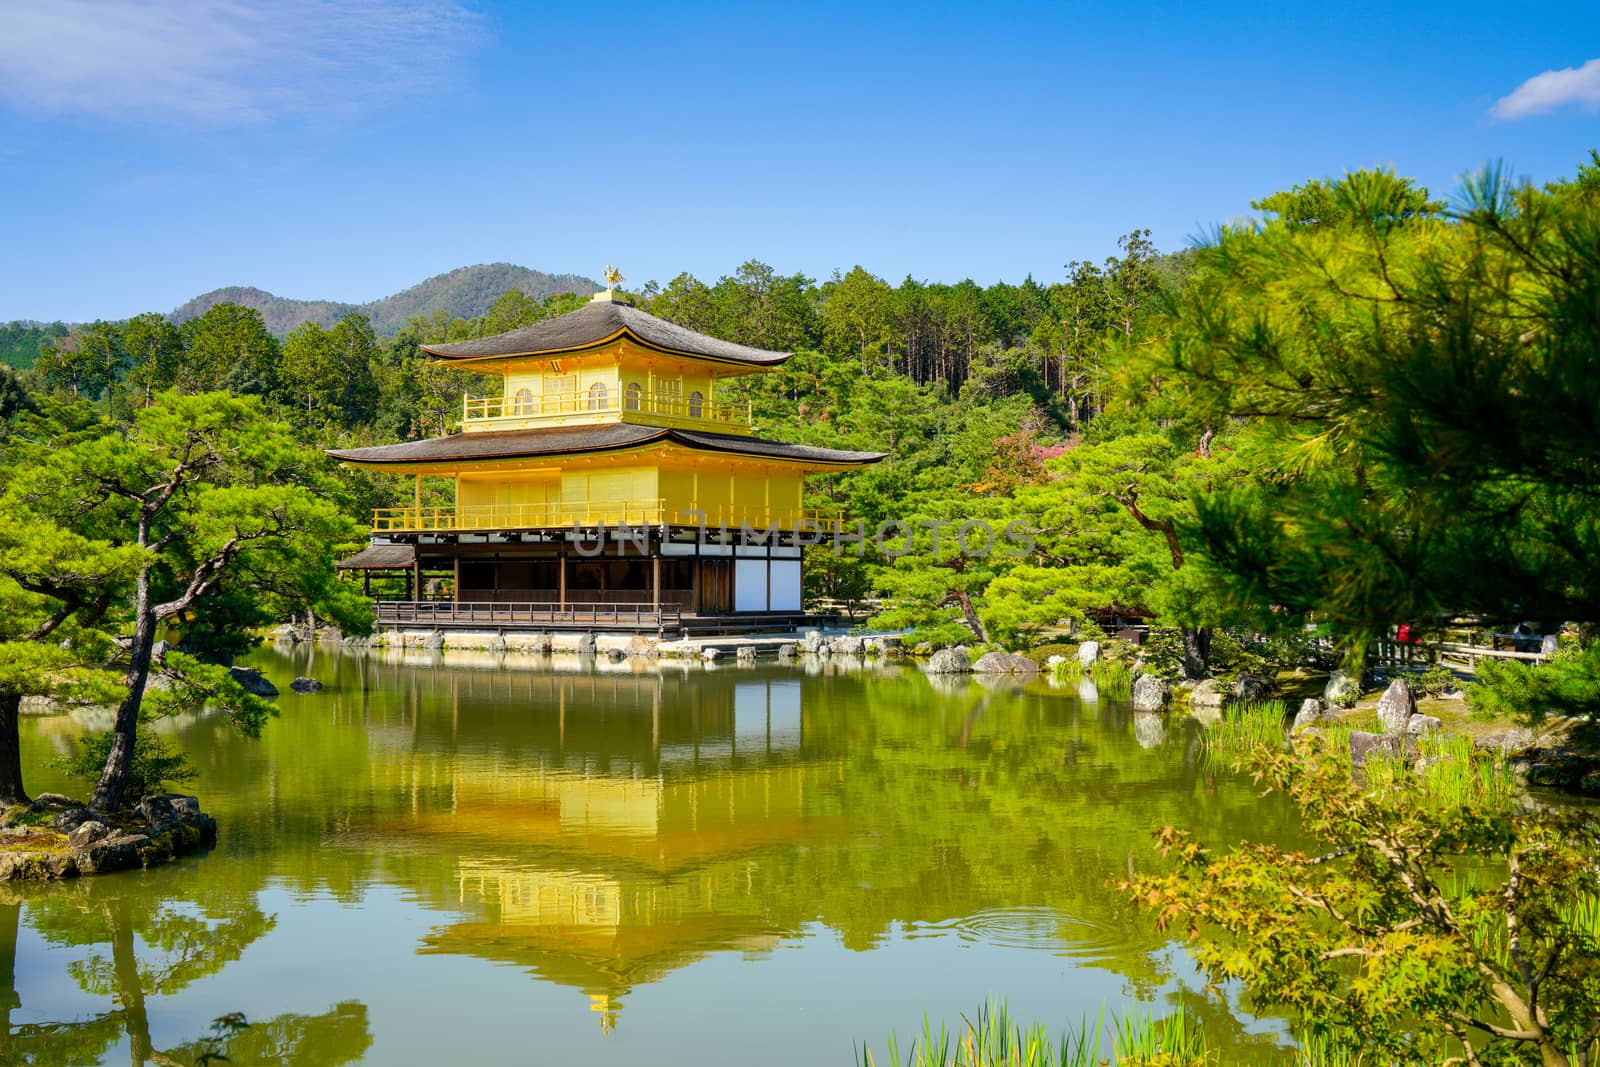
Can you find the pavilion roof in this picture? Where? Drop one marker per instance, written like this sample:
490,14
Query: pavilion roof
598,322
380,558
606,437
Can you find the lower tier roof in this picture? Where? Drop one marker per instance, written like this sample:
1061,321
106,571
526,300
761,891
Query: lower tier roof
576,440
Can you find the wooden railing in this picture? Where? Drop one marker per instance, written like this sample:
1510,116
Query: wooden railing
565,405
591,514
436,612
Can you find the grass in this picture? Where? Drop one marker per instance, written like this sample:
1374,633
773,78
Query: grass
1114,679
1246,727
1454,772
994,1039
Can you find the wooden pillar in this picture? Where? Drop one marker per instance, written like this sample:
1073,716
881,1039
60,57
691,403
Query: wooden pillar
655,582
561,578
455,578
417,523
416,570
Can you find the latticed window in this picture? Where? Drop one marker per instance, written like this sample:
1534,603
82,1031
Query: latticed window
697,404
632,396
522,403
599,397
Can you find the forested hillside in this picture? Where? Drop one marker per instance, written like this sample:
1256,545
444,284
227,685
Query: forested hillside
466,293
21,342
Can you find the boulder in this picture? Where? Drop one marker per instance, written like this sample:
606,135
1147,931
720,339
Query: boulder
1513,740
811,642
303,684
36,866
167,810
1149,729
786,652
1088,653
1310,711
330,635
949,661
1396,707
1055,663
117,852
1420,725
1150,693
745,653
497,643
87,833
434,640
540,644
56,800
159,649
644,647
1549,645
825,649
73,818
710,654
586,645
286,634
1341,684
847,646
616,655
1208,693
1364,745
1253,688
1004,663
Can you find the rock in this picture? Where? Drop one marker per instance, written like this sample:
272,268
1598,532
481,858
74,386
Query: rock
1088,653
1253,688
1149,729
811,642
167,810
497,643
303,684
159,649
1150,693
586,645
1341,684
541,644
1364,745
825,649
745,653
118,852
87,833
1054,663
1513,740
56,800
1420,725
1310,711
847,646
73,818
1549,645
286,634
786,652
949,661
1396,707
616,655
434,640
330,635
1208,693
1004,663
644,647
36,866
870,646
710,654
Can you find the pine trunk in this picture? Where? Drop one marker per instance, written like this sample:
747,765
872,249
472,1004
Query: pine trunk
11,791
1196,652
114,779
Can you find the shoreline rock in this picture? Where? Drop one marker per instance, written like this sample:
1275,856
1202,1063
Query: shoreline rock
77,841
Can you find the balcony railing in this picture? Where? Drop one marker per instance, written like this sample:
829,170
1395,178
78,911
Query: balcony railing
567,405
590,514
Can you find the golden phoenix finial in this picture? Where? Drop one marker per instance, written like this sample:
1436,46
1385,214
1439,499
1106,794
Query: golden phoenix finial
614,277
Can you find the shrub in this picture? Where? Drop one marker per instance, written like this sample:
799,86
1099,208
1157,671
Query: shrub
154,765
1566,684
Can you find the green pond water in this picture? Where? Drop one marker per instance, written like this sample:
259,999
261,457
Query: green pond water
537,862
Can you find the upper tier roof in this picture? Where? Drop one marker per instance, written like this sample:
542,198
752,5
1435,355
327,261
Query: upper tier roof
601,321
569,440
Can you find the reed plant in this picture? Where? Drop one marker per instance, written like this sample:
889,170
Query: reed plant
1248,726
1068,670
1451,772
1113,678
994,1039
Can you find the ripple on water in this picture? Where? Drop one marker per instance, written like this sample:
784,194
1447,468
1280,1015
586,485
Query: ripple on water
1043,929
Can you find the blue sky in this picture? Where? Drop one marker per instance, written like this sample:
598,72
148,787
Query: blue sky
344,150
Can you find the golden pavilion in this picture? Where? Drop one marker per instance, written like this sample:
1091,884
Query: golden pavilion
608,485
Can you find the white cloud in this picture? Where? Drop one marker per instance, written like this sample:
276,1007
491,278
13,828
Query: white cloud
223,62
1550,90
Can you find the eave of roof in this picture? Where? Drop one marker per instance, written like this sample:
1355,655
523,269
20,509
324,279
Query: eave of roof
600,323
608,437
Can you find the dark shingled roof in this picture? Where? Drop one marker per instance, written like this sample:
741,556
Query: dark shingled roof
379,558
607,437
594,323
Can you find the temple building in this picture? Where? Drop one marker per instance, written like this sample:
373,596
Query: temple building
609,484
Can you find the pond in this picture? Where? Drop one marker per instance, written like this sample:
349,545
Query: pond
531,861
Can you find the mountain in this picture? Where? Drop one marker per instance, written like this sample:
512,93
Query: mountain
465,292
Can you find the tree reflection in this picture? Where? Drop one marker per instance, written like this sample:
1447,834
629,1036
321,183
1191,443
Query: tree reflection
143,945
